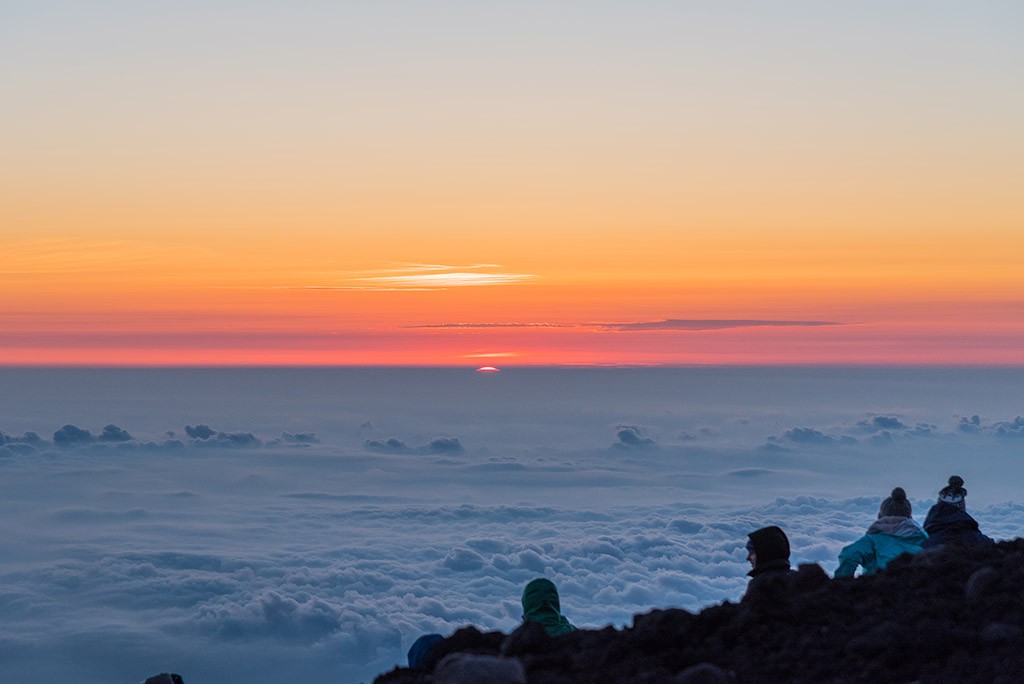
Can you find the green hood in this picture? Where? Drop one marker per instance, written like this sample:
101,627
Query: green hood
541,605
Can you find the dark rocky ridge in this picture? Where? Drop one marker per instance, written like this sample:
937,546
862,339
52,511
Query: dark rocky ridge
948,615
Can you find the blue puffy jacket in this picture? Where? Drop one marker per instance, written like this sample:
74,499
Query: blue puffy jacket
888,537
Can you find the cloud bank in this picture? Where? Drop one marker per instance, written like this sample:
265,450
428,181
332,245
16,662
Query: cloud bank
311,524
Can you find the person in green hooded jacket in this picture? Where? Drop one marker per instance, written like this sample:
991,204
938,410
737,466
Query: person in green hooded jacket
541,605
893,534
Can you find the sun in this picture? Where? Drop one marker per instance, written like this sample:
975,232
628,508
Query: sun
488,369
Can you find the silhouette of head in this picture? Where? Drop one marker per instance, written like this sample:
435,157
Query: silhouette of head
165,678
539,595
420,649
541,605
768,545
895,504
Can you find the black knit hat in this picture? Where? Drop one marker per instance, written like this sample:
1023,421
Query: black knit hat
770,544
895,504
954,492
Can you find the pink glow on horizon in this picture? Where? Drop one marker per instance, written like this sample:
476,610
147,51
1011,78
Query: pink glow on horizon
855,344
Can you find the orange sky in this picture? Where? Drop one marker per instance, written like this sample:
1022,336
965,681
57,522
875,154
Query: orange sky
322,200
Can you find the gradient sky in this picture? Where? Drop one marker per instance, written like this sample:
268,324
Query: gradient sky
511,183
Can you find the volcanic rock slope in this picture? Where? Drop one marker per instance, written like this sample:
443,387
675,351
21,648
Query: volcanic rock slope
949,615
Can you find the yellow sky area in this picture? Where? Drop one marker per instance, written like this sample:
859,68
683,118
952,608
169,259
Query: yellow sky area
419,211
572,175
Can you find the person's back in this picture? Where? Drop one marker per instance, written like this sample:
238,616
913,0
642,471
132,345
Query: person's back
541,605
894,533
948,521
947,524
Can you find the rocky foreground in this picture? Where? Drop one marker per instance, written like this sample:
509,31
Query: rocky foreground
947,615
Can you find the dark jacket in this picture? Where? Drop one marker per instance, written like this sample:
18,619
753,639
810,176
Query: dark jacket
949,524
419,652
772,549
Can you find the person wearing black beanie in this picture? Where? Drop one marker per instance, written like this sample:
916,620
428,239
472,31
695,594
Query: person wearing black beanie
894,533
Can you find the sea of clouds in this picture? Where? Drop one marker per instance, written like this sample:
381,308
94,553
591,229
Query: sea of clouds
262,526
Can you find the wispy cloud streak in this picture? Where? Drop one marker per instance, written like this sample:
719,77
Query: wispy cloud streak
681,324
491,325
451,279
707,324
420,277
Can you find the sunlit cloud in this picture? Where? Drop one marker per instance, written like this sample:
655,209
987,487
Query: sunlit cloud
491,355
420,277
451,279
423,268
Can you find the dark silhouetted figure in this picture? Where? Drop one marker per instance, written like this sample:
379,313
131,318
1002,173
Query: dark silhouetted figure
541,605
420,649
768,551
165,678
893,534
948,522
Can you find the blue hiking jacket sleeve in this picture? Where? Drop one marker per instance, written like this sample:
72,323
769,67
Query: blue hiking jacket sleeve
886,539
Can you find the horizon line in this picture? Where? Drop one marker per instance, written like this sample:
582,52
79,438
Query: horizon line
517,366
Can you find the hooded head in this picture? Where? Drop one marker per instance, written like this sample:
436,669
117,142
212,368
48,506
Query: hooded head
769,549
954,493
541,604
895,504
420,649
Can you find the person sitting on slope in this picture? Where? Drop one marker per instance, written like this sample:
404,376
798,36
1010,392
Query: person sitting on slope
893,534
948,521
541,605
768,551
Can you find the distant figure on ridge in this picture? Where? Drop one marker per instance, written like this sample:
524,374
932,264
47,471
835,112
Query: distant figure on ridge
948,521
768,551
541,605
893,534
165,678
419,652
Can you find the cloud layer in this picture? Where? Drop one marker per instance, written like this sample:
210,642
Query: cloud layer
311,525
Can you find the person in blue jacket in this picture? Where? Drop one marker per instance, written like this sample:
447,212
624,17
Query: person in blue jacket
893,534
948,521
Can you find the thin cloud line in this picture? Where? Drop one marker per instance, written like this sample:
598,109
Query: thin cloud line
456,279
412,278
698,324
490,325
677,324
